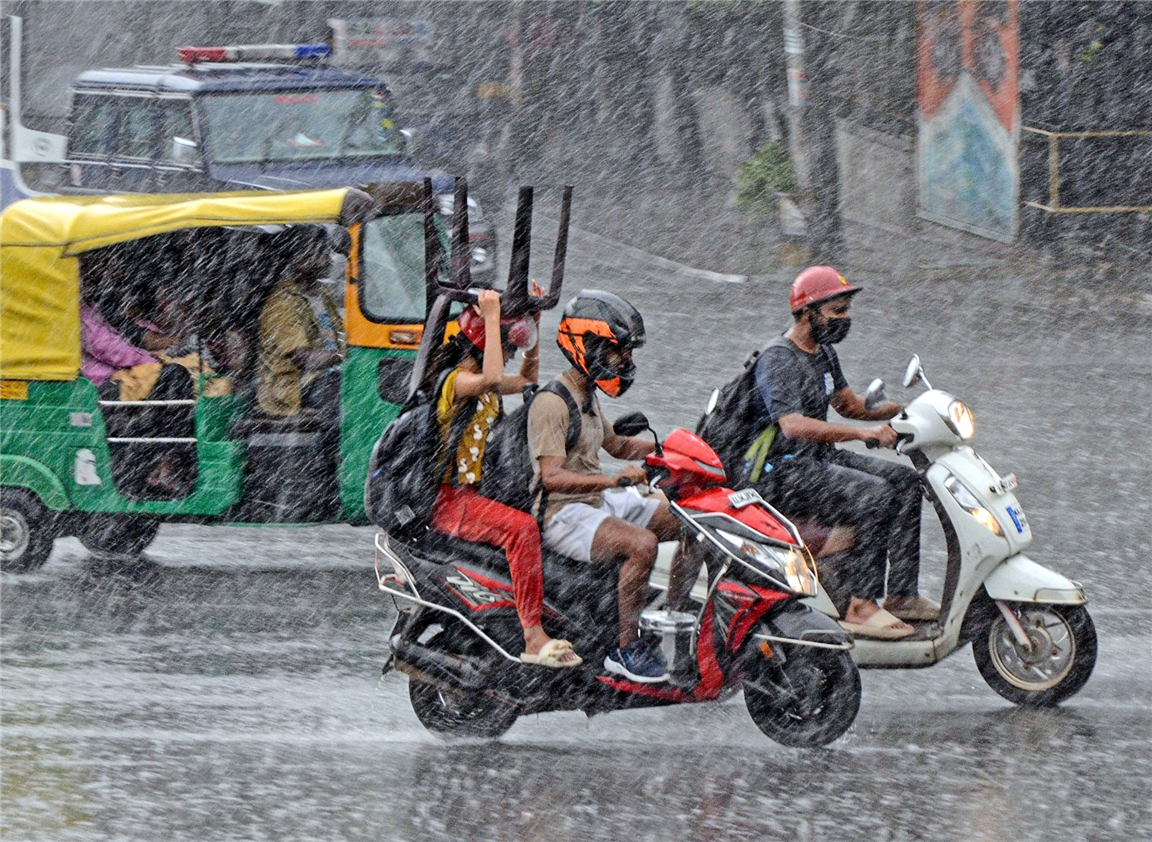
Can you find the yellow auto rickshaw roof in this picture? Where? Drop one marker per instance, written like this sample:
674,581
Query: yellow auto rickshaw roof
39,271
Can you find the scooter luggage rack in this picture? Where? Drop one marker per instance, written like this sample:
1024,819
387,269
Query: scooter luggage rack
384,581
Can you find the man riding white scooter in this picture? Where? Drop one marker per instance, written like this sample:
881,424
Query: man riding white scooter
806,477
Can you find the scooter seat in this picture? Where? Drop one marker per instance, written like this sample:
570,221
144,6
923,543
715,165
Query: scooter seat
444,549
565,579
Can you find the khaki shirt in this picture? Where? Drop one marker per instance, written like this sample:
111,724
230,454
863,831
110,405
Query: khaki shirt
547,436
286,324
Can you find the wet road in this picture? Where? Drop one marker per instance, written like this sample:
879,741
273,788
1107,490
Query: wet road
228,688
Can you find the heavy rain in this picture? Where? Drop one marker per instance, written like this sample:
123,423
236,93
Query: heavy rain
195,639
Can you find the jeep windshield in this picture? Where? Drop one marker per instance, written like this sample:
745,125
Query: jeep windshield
299,126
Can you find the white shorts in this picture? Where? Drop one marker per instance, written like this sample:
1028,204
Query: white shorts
572,528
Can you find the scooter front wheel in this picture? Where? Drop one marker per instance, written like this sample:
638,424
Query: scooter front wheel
806,699
459,713
1055,665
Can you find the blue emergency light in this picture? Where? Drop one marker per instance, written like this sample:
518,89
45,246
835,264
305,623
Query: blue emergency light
253,52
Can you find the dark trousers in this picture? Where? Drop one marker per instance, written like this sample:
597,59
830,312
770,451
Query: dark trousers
879,499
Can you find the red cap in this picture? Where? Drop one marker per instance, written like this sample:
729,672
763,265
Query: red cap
816,284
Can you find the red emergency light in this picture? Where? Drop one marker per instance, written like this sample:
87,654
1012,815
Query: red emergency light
253,52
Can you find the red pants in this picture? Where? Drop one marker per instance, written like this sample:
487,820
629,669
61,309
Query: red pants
462,513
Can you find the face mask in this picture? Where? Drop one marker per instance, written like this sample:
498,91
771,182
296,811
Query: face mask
615,386
829,331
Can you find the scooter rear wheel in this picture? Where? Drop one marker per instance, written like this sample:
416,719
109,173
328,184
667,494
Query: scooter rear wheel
1062,655
805,701
459,713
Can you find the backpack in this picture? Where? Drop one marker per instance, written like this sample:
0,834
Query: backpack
407,466
728,425
508,471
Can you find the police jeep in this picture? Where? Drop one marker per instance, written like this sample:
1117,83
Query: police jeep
274,117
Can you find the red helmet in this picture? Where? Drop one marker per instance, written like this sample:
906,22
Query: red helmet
518,331
816,284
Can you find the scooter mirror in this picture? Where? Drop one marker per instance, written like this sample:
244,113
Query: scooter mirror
913,372
632,424
635,423
875,395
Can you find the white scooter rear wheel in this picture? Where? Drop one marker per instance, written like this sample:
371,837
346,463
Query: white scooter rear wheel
1058,663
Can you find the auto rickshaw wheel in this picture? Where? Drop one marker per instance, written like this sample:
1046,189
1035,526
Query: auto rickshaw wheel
117,535
27,530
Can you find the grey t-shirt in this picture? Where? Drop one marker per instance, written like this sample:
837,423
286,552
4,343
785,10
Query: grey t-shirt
793,381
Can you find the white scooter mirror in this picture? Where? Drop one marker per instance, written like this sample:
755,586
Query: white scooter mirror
914,373
875,395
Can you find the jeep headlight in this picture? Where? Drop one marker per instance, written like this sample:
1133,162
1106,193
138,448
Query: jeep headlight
787,563
960,420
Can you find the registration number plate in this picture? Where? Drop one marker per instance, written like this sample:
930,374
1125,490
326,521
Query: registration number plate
744,497
1018,519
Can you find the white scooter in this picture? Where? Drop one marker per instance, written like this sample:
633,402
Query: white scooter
1032,637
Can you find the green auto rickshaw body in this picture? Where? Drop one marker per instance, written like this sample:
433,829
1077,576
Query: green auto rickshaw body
53,436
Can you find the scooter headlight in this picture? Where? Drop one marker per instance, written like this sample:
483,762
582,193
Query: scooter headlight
789,564
972,505
960,420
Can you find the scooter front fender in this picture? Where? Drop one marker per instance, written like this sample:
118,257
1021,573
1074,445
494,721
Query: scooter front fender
802,625
1020,579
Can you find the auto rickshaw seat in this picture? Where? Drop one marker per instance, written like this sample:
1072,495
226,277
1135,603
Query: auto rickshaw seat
305,422
291,467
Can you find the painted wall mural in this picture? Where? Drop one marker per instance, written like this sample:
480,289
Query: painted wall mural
969,115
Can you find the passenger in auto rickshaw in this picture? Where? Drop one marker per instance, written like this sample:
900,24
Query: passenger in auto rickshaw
299,361
126,373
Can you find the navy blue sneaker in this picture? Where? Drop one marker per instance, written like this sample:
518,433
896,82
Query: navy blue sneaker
637,661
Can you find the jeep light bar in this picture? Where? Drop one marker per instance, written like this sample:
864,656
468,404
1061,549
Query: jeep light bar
253,52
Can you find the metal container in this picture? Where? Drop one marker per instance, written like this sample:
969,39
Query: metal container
672,632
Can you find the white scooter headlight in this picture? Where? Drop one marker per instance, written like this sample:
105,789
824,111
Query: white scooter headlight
960,420
788,563
972,505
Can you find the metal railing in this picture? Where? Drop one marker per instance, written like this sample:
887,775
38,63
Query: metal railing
1054,205
106,405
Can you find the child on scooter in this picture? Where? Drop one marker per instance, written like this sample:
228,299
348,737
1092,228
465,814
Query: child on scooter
477,379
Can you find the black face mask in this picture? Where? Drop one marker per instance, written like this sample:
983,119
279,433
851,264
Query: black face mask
829,331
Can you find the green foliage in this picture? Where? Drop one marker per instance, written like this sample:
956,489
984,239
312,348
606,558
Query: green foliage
762,176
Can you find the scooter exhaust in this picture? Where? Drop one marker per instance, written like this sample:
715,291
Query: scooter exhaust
452,670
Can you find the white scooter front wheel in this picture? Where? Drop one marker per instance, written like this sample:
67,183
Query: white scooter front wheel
1053,667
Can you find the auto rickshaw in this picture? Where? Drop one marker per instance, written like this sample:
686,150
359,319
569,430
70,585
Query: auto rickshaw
67,467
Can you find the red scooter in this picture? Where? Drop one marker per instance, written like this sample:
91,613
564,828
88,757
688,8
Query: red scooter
457,634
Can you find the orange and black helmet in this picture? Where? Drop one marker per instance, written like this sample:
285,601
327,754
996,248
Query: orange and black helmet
593,324
818,284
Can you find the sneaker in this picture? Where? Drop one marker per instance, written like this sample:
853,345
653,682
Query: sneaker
638,662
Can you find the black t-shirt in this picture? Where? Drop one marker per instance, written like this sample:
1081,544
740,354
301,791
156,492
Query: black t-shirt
793,381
